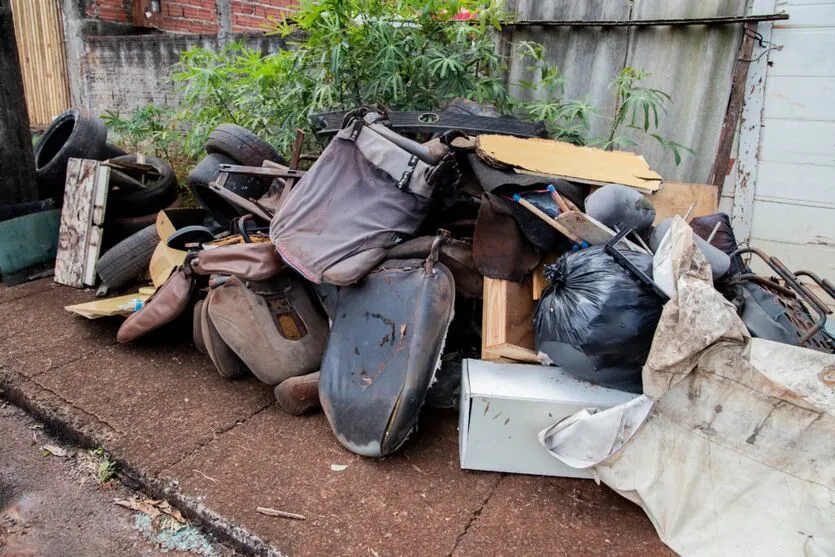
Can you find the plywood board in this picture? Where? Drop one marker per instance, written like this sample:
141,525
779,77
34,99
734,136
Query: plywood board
507,318
82,218
675,198
557,158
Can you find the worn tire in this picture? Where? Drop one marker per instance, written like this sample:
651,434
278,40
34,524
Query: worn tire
74,134
242,145
152,198
111,151
128,259
117,229
206,171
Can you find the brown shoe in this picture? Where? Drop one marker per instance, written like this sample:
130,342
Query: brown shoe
298,395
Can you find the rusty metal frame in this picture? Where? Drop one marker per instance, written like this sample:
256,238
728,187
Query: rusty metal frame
719,20
796,287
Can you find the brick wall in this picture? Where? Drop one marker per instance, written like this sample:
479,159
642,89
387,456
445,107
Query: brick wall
253,15
116,11
196,16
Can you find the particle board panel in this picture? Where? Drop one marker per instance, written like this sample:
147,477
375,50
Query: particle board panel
558,158
82,218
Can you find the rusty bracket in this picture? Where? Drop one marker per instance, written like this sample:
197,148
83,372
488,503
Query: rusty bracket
260,171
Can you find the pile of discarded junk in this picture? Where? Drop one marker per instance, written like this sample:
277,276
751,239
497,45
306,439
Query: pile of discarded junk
559,296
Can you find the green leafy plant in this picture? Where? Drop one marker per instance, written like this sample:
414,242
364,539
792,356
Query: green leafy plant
399,54
150,127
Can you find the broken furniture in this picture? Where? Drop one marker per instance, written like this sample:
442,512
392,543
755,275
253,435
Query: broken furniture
82,219
780,310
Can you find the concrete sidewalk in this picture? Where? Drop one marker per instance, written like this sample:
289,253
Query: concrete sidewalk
218,449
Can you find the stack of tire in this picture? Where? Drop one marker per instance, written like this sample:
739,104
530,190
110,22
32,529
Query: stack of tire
133,200
231,144
227,144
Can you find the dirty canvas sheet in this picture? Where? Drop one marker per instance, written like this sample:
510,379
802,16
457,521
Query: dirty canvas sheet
730,450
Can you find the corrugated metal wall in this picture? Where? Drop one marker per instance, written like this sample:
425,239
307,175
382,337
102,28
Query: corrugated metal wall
692,64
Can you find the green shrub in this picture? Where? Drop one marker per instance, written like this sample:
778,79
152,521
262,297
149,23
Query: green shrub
400,54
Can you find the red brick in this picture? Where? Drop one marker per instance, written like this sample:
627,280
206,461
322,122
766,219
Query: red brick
199,14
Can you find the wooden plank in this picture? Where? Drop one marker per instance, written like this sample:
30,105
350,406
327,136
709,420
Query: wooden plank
751,127
79,238
594,232
538,276
507,317
557,158
722,161
514,353
675,198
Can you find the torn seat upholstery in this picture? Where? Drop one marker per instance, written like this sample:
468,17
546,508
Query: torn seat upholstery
385,346
361,197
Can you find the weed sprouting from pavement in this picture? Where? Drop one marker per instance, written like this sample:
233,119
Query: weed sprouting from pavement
105,468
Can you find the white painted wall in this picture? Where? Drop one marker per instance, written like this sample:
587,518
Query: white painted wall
793,212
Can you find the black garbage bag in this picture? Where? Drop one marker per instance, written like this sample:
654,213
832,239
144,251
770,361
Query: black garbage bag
595,320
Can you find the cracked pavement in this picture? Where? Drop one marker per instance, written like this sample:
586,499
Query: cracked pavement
219,449
53,505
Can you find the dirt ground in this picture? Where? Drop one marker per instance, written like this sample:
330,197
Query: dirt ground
54,506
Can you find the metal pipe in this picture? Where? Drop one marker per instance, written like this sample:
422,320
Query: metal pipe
719,20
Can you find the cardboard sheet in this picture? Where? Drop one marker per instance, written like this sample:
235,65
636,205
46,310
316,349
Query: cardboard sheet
109,306
579,164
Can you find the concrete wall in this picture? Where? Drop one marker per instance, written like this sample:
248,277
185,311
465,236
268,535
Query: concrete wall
126,72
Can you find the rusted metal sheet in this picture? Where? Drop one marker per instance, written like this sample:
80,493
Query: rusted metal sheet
79,238
692,64
589,57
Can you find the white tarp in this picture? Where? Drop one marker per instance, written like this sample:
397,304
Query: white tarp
731,450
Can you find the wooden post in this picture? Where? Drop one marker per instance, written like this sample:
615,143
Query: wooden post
17,160
722,161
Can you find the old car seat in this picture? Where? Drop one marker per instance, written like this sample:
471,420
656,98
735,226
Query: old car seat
385,346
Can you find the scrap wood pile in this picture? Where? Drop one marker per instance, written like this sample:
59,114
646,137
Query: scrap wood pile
380,280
